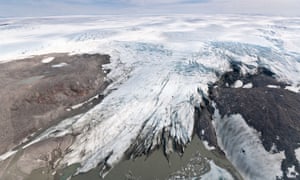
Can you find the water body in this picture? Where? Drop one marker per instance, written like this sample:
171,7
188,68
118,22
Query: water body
156,166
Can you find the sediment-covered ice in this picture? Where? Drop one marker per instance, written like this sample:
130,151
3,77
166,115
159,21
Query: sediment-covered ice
160,68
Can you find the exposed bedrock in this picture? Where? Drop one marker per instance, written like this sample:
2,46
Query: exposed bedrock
40,91
255,121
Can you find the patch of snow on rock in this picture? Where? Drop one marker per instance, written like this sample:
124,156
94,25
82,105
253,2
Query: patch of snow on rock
7,155
293,88
273,86
59,65
47,60
238,84
248,86
292,172
297,152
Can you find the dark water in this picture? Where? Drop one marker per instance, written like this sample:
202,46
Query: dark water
156,165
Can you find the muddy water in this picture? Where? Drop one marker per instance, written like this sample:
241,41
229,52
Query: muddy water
156,165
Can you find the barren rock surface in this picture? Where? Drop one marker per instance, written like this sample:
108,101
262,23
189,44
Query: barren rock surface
36,93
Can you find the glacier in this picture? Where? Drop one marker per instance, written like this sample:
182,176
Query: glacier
160,70
241,144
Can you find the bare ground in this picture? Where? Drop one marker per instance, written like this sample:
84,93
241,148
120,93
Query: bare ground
36,95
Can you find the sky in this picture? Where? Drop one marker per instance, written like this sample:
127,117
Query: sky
93,7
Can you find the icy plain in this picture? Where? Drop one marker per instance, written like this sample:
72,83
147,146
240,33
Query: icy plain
160,68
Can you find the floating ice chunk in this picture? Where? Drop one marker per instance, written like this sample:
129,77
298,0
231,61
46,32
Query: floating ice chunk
207,146
273,86
199,167
248,86
59,65
202,131
292,172
238,84
47,60
216,173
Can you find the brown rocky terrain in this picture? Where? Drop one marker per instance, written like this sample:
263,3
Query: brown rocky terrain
35,95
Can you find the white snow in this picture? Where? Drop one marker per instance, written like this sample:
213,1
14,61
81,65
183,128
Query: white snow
83,103
207,146
160,68
273,86
202,132
7,155
238,84
297,152
59,65
292,173
47,60
295,89
248,86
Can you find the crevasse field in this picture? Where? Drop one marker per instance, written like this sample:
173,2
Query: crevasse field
160,70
